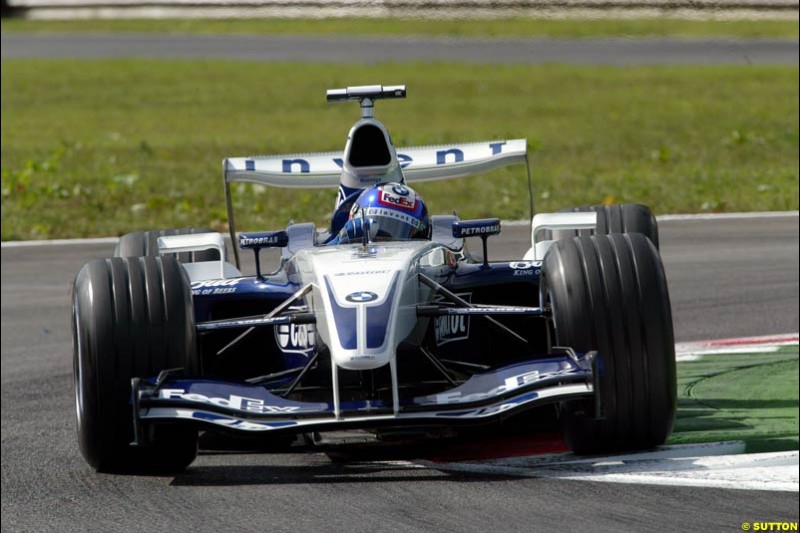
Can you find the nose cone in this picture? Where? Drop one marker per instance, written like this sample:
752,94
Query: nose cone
361,321
365,301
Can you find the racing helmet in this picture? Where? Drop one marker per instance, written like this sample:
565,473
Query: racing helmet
387,212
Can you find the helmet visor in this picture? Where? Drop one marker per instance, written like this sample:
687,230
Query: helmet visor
384,225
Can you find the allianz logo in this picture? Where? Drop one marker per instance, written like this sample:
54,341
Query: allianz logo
452,328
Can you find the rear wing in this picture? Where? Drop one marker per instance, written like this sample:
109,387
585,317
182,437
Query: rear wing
419,163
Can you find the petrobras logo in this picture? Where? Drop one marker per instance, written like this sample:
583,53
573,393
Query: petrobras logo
396,200
263,239
452,328
480,230
296,338
361,297
241,403
259,241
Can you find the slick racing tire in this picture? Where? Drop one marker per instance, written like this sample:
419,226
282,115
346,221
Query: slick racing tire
145,244
131,317
609,293
615,218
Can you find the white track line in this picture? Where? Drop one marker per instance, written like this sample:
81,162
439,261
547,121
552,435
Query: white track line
776,471
726,216
507,223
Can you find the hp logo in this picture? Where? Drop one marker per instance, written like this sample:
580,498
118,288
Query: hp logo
361,297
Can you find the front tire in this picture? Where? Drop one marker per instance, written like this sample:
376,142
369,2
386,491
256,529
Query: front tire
132,317
609,293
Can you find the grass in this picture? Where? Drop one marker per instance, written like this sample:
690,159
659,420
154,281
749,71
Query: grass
750,397
509,27
93,148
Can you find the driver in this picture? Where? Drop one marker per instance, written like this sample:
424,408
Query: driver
387,212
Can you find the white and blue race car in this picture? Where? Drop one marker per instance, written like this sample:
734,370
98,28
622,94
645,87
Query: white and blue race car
382,322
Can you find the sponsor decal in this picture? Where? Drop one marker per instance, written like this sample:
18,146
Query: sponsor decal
525,268
397,200
509,384
216,283
400,190
296,338
452,328
480,230
233,401
260,241
441,156
362,273
361,297
392,213
288,165
214,286
404,160
497,147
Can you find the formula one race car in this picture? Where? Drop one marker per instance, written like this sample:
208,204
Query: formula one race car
382,322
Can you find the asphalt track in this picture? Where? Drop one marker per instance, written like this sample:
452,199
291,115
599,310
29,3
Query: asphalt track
341,49
727,278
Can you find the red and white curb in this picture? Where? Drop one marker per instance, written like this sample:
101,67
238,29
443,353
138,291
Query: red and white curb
722,465
690,351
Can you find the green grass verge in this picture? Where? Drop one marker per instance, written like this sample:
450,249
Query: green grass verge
512,27
104,147
749,397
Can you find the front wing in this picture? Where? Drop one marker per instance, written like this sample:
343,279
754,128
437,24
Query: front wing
251,408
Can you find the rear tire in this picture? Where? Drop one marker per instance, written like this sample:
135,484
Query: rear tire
615,218
132,317
145,244
609,293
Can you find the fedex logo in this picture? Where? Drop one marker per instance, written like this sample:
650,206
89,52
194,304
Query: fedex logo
402,202
233,401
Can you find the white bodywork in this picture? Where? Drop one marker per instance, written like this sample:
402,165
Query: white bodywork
555,221
377,287
198,242
365,301
419,163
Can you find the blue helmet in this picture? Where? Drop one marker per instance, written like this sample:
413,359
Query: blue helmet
390,212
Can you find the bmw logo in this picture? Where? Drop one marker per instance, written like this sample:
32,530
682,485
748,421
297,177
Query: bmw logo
400,190
361,297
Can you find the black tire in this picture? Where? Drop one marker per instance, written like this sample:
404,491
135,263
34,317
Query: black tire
132,317
609,293
616,218
145,244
